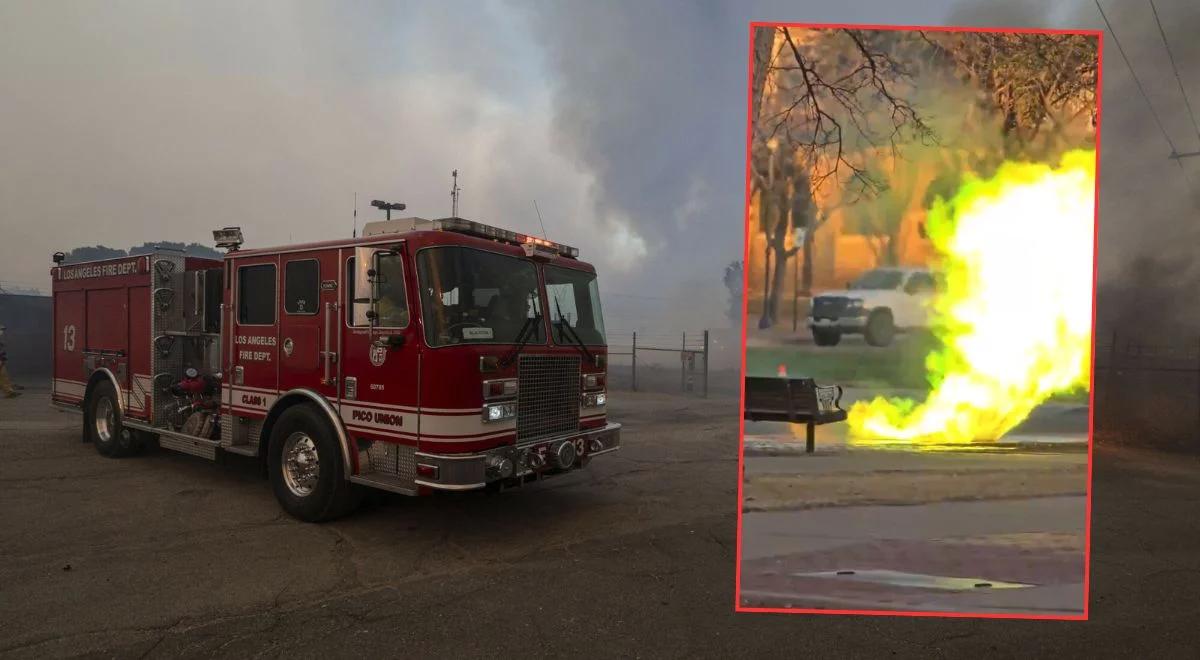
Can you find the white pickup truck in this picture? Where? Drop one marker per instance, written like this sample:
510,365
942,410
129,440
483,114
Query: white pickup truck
877,305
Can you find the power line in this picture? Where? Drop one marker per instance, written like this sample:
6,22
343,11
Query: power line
1135,78
1174,68
1142,90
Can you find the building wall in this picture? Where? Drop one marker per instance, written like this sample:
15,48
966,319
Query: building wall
838,257
29,337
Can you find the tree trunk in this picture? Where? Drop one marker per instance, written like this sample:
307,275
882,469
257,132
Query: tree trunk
780,277
806,272
778,245
764,41
764,321
891,248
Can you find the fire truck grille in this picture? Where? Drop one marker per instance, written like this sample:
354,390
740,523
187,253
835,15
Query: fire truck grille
547,396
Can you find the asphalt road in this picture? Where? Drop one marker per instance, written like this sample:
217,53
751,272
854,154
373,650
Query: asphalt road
166,555
1013,557
864,525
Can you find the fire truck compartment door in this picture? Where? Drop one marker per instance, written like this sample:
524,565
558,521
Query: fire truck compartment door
255,351
301,348
308,323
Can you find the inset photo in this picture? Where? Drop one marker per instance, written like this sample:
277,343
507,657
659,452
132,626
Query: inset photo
919,311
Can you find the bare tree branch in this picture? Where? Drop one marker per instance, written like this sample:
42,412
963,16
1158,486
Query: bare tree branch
826,116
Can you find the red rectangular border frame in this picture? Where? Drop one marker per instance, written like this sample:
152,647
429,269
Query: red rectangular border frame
1087,570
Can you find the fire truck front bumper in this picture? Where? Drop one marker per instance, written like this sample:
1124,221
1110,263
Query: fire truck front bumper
850,324
515,464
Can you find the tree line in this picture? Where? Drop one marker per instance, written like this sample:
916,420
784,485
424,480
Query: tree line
97,252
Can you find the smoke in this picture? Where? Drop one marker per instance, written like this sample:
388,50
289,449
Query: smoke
1148,234
131,121
651,98
1149,205
624,120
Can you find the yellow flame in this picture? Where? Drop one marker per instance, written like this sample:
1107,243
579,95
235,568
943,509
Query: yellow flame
1015,314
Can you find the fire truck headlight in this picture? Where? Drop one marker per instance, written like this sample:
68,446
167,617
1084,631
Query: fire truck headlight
498,412
594,399
601,399
593,381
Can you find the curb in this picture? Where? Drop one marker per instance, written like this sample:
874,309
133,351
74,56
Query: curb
1047,442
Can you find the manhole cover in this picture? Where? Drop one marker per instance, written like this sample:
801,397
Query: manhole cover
916,580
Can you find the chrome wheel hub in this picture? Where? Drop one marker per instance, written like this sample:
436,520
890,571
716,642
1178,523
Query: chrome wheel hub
301,465
106,420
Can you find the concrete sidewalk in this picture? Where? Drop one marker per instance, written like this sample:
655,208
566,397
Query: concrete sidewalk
915,558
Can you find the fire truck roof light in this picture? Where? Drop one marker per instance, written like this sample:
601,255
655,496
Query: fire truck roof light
487,231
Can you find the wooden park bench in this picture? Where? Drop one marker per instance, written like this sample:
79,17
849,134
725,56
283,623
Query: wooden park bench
795,401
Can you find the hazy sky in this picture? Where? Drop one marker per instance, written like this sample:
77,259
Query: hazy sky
123,122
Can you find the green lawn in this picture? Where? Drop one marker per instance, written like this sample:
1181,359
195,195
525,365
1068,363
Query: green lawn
899,366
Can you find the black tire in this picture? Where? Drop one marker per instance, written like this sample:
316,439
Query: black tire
880,328
103,424
322,495
826,336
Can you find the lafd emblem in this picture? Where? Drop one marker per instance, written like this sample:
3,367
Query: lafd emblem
378,354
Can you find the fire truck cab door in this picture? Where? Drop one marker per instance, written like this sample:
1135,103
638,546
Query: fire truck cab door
254,353
381,348
308,322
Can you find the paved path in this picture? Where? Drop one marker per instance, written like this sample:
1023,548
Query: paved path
171,556
1037,542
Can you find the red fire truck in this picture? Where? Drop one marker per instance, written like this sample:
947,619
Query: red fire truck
425,355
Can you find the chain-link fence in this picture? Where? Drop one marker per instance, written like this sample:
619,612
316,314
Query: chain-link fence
654,353
702,362
1147,394
29,336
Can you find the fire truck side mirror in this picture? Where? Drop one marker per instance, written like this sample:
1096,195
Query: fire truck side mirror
364,283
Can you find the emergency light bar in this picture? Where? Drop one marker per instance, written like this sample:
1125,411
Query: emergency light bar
229,237
531,243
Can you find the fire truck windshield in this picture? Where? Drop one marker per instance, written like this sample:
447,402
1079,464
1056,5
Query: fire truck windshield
574,300
471,296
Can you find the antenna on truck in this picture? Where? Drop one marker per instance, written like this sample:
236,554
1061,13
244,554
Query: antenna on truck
539,215
454,191
354,234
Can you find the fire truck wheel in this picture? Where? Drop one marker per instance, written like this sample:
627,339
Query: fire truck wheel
306,468
103,424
